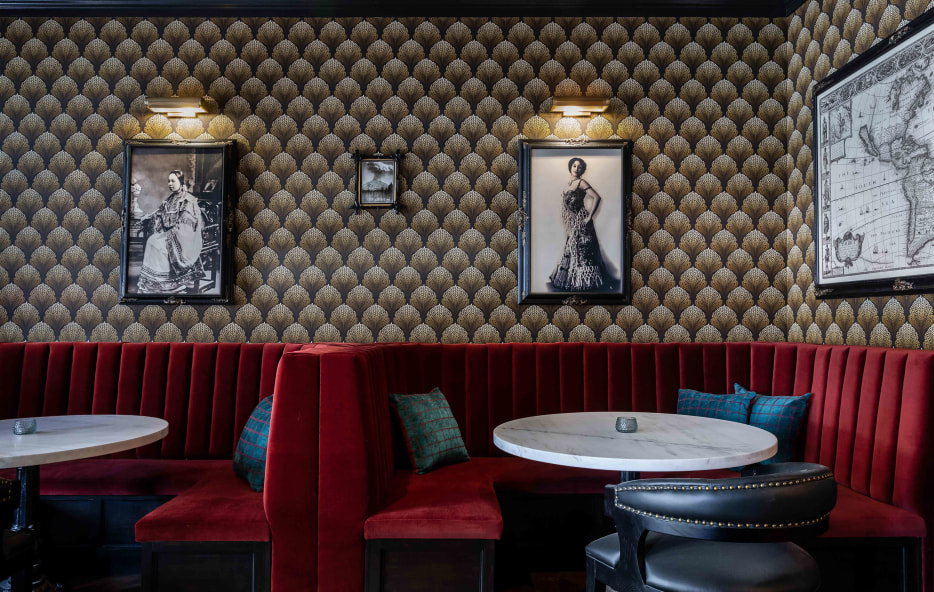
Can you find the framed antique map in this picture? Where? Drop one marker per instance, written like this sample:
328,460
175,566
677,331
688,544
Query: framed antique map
874,169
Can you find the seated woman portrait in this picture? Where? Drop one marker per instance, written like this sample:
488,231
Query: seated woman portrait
172,258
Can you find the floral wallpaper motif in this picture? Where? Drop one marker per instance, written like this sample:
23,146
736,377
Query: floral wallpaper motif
703,100
826,36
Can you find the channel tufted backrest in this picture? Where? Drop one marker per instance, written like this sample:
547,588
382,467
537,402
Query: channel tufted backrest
331,458
205,391
870,418
489,384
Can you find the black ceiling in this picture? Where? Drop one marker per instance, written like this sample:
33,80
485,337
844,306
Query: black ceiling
401,8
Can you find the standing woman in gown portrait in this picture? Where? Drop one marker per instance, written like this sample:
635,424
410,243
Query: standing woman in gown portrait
581,267
172,259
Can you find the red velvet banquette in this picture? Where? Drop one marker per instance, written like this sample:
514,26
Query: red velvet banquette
336,500
333,486
182,487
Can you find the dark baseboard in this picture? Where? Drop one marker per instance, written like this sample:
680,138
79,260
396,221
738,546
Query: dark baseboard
91,535
199,566
868,564
428,565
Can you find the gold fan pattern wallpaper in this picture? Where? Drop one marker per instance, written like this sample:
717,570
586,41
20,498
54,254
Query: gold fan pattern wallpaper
696,97
717,110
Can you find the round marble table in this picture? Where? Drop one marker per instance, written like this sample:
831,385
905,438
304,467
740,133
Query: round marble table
663,442
67,437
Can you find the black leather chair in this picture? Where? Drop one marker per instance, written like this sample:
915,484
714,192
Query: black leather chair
728,535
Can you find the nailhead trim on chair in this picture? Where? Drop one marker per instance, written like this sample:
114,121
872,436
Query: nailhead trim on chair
723,487
722,524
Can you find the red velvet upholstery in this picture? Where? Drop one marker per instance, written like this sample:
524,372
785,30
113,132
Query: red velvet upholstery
205,391
123,476
857,515
331,464
459,501
221,507
520,475
453,502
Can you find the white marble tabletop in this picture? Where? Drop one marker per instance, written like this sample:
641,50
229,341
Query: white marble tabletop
69,437
663,442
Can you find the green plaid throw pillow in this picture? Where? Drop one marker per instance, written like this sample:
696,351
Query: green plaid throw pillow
249,461
430,431
728,407
782,416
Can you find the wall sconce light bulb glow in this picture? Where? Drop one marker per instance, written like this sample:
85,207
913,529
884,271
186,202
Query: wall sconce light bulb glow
579,106
184,107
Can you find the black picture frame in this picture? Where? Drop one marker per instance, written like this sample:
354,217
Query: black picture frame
182,237
548,273
842,224
377,181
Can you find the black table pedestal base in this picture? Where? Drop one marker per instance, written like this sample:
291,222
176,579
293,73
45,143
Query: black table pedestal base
25,518
629,476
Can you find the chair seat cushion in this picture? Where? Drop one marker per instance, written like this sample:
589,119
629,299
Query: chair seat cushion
676,564
221,507
452,502
857,515
124,476
605,550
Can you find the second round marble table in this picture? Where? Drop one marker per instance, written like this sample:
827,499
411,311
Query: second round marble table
663,442
67,437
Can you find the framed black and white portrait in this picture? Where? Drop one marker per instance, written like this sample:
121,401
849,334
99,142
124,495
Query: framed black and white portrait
573,237
177,221
377,182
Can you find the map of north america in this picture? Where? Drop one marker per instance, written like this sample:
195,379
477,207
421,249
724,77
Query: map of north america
876,168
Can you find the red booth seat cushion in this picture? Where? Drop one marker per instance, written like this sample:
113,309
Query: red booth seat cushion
459,501
452,502
136,476
857,515
222,507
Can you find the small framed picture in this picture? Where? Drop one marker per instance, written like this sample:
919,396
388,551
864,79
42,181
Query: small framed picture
377,181
573,235
177,221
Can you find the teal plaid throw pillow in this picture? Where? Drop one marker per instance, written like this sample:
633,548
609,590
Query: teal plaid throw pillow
728,407
430,431
249,460
781,416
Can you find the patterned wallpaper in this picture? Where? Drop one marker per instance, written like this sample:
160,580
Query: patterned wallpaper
825,37
703,100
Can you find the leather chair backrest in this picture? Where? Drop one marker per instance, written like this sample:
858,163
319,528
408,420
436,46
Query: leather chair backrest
784,502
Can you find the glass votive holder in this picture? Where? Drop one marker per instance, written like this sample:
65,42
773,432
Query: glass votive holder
22,427
626,425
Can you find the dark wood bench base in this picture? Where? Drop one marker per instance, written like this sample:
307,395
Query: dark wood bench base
199,566
883,564
92,535
428,565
